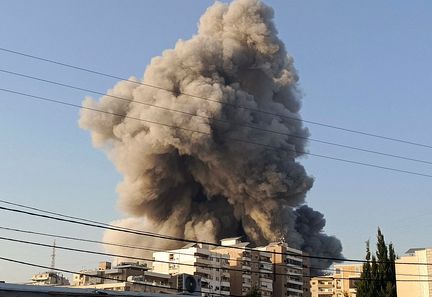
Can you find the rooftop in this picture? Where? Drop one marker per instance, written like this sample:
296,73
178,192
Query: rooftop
42,291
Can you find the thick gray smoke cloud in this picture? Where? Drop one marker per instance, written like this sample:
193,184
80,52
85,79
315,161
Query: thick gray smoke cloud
209,186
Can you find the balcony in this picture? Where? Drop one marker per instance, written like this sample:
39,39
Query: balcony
296,282
266,279
267,266
265,288
246,258
225,274
203,261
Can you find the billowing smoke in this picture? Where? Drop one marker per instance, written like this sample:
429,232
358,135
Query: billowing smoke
206,186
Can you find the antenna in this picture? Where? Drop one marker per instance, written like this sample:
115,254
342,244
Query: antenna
53,256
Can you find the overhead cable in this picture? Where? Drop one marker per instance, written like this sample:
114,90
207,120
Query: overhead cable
267,146
88,70
162,236
240,124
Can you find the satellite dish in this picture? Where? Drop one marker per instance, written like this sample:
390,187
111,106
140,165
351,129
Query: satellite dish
190,284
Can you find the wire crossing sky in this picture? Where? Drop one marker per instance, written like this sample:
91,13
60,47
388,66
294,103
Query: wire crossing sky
371,76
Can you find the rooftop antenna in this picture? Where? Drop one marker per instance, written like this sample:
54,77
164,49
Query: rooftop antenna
53,256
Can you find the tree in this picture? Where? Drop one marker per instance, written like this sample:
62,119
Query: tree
253,292
378,278
363,287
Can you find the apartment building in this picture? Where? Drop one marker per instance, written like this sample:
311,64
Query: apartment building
412,279
248,268
288,270
306,275
49,278
322,286
123,277
106,273
342,283
346,278
197,259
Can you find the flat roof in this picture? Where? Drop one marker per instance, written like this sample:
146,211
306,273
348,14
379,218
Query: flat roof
413,250
231,238
29,290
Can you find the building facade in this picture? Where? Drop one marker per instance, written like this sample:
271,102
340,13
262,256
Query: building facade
197,259
248,268
412,279
49,278
288,270
342,283
322,286
123,277
106,273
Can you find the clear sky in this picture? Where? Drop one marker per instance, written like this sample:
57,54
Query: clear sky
363,65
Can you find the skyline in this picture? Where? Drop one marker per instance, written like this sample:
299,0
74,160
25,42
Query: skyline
86,174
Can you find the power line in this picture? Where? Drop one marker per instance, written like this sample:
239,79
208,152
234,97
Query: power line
142,258
119,280
161,236
99,276
116,255
217,101
267,146
116,244
176,252
353,271
145,259
247,125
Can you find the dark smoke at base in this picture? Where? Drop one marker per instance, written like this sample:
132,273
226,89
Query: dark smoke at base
206,186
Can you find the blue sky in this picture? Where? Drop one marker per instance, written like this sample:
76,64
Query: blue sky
362,65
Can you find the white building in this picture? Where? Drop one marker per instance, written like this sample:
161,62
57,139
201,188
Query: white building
197,259
49,278
414,273
123,277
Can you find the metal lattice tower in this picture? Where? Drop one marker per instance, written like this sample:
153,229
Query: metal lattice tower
53,256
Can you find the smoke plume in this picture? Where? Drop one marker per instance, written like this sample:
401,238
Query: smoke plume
206,186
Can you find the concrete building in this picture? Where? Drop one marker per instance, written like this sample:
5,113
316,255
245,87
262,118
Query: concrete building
414,280
197,259
105,273
306,275
342,283
49,278
15,290
131,286
248,268
345,279
288,270
322,286
124,277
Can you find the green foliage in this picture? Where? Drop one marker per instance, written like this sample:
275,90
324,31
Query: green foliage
254,292
378,278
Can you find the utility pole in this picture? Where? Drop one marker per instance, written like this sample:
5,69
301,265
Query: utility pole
53,256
